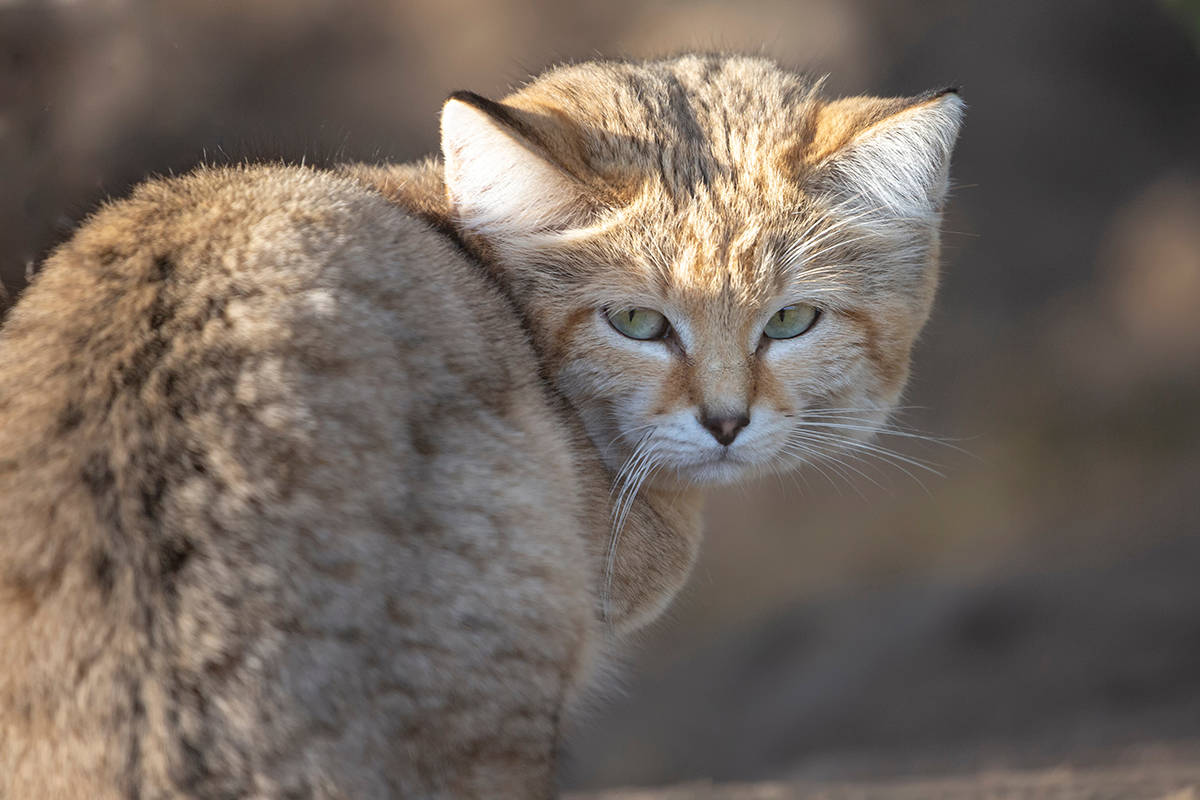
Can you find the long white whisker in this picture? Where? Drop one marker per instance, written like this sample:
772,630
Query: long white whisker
814,458
884,430
883,452
623,472
838,464
634,473
846,445
629,490
625,435
860,409
871,447
841,459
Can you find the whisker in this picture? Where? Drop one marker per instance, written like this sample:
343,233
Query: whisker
864,409
865,458
838,465
850,419
883,454
827,457
885,429
816,463
620,473
634,473
631,464
626,435
795,475
882,430
877,449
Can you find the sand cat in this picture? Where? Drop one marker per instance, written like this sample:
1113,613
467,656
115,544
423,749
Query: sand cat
337,484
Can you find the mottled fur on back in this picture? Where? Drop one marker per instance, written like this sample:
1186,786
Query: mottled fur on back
338,485
268,530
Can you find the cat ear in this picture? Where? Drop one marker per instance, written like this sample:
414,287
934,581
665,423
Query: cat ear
898,162
500,181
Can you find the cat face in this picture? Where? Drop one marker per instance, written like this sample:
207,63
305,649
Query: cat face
724,273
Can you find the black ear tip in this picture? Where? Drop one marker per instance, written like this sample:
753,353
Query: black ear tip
470,98
936,94
489,107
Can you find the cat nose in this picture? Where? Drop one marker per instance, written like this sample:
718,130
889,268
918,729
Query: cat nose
724,427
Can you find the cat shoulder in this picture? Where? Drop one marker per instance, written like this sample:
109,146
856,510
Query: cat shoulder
290,307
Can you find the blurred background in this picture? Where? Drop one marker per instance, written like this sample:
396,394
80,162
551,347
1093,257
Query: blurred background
1038,601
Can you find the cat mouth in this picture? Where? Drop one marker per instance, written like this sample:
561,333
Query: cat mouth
721,468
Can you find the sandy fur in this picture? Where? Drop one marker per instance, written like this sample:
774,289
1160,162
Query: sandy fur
321,485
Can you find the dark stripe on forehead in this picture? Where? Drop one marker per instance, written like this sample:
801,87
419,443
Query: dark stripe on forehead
682,114
683,152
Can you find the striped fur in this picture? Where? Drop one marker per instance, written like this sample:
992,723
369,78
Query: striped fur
715,190
306,493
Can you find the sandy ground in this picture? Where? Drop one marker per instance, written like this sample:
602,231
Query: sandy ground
1173,773
1174,784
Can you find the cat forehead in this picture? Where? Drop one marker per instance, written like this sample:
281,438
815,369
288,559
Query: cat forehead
689,89
704,262
725,220
689,119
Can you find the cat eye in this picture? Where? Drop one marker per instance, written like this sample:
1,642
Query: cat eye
638,323
791,321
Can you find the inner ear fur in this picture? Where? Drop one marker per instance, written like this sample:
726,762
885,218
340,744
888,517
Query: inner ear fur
511,170
890,153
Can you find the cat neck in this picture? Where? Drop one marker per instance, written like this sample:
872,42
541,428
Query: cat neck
645,561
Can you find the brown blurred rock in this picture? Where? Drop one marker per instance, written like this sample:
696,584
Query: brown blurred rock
1151,266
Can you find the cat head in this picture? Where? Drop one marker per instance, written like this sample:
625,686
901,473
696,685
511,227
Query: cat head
723,272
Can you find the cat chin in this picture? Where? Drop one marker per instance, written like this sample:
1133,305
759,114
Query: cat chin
717,472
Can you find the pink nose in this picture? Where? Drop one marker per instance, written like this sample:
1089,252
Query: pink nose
724,427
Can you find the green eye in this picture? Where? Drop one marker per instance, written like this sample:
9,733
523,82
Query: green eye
791,321
638,323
